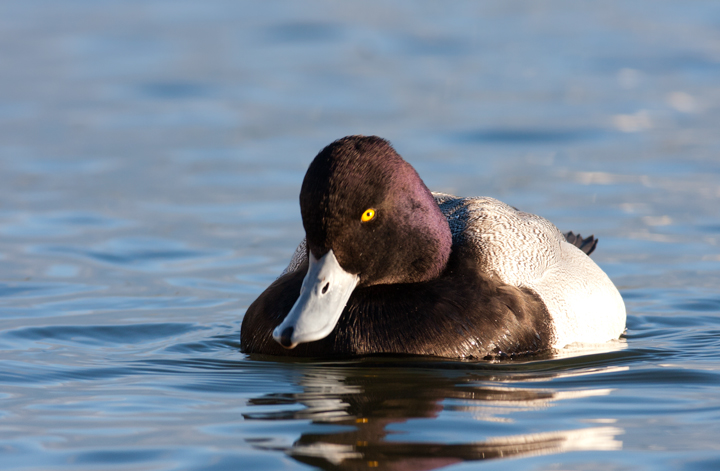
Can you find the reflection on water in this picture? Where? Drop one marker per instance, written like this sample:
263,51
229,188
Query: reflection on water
369,403
315,451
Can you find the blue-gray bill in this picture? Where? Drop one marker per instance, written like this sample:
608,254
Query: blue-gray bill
324,293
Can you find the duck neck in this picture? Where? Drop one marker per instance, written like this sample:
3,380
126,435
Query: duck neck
432,239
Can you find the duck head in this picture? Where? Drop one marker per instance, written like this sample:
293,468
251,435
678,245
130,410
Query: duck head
369,219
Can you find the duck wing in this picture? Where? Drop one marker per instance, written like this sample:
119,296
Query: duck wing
527,251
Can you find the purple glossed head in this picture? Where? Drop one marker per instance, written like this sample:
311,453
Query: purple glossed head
361,200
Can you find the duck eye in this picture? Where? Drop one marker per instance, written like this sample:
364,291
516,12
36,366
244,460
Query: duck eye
368,215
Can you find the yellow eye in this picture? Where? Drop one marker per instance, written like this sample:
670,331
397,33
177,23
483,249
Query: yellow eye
368,215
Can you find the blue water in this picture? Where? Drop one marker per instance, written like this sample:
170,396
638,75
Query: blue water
151,154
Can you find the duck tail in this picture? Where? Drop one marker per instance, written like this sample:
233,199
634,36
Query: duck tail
587,245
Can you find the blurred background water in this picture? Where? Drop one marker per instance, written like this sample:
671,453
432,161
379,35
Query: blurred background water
151,154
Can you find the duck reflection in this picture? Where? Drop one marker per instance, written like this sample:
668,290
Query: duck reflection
374,402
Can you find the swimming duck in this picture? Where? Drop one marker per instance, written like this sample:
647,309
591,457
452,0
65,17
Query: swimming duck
389,267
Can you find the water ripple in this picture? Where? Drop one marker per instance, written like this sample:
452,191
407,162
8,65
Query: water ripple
102,334
518,136
144,254
82,306
34,289
56,224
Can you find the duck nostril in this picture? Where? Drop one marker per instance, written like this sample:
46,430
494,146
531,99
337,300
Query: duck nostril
286,337
325,288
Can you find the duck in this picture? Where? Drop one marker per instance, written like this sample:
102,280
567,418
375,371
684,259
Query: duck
389,267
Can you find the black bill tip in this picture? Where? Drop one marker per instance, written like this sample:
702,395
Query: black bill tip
286,338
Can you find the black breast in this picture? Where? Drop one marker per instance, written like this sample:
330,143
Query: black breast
462,314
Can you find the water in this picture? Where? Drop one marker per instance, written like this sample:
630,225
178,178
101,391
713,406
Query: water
151,154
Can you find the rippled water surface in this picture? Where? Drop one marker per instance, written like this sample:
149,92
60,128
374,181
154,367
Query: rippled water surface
151,154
